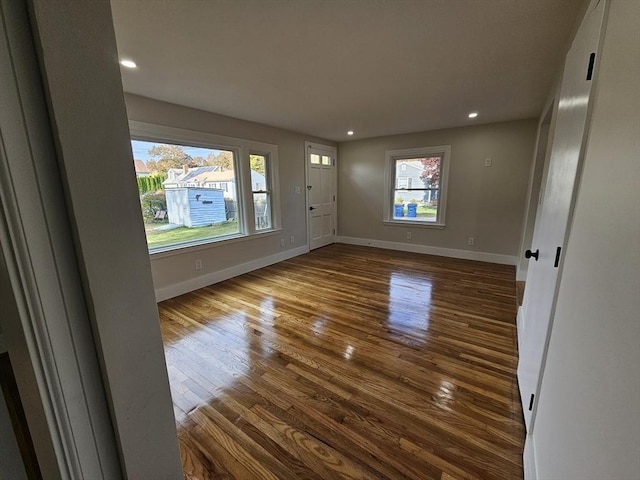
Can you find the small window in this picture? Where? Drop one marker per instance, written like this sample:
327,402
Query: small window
261,195
326,160
315,159
416,185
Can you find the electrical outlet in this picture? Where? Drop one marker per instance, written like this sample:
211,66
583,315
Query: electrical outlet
296,190
198,264
281,242
471,242
488,162
408,235
292,239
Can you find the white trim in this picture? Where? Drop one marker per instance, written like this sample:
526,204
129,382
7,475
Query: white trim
182,248
221,275
389,181
520,326
414,223
51,333
538,164
529,459
428,250
152,133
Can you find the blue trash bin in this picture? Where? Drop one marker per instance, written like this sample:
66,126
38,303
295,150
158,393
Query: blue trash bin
399,210
412,210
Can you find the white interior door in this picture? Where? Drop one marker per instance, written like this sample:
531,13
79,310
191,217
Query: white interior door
321,194
554,212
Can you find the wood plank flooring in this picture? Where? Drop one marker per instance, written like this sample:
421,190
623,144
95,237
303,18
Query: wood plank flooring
348,362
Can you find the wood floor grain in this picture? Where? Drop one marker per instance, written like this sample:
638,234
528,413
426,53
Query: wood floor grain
348,362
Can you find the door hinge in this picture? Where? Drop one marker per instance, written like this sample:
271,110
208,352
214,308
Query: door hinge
334,231
334,198
531,401
557,262
333,162
592,59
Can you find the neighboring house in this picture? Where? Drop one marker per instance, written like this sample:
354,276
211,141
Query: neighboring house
210,177
141,168
408,176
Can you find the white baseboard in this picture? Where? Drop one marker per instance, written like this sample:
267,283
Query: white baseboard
521,274
192,284
439,251
529,459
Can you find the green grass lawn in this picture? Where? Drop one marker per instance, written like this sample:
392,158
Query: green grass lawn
426,211
160,238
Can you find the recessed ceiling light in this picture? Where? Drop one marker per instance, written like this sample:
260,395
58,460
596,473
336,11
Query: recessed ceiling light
350,132
128,64
473,114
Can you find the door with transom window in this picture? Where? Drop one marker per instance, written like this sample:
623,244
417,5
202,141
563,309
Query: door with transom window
321,194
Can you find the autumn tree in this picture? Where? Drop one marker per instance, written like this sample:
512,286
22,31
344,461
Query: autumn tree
166,156
223,159
257,163
431,173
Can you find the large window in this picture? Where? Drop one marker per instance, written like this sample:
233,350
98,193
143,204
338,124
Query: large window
198,188
416,185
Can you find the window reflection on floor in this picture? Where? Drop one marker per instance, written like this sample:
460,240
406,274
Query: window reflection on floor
409,302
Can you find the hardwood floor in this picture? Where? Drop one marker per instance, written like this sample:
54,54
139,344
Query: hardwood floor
348,362
520,292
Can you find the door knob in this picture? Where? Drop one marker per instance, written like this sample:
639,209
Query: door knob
312,208
530,254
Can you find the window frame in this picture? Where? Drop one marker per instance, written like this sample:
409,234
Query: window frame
241,149
391,156
268,187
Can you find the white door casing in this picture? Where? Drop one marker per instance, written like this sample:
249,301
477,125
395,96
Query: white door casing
321,194
48,331
555,209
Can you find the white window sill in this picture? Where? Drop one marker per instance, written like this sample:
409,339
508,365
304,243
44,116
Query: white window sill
197,245
415,223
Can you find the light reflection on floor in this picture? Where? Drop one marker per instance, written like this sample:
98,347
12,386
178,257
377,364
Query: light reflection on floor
201,348
409,303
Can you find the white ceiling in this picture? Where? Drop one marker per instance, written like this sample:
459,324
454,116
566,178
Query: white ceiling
323,67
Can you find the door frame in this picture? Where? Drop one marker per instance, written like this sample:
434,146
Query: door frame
46,324
544,140
538,177
333,151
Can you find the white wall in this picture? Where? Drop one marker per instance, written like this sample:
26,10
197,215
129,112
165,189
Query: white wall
79,61
486,203
175,273
588,421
